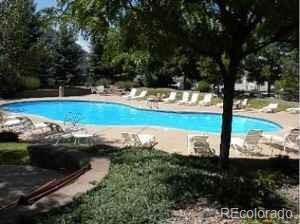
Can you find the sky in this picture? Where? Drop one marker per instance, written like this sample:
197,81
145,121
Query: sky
41,4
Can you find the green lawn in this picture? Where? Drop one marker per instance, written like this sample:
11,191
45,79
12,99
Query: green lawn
258,103
255,103
13,153
144,186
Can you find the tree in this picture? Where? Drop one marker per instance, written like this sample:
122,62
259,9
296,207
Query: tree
210,72
265,65
288,85
68,56
20,31
226,31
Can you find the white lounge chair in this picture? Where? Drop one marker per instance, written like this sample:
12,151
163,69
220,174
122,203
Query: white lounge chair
194,99
138,140
171,98
295,110
198,144
18,124
98,90
141,96
41,130
206,100
236,104
185,98
289,140
271,108
244,103
131,94
247,144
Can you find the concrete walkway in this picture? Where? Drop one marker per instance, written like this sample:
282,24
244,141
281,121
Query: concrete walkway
175,140
63,196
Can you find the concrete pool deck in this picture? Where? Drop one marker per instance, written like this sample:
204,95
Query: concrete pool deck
174,140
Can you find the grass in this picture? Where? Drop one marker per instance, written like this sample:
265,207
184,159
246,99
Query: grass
255,103
13,153
144,186
258,103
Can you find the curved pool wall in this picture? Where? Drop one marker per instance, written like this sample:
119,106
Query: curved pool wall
116,114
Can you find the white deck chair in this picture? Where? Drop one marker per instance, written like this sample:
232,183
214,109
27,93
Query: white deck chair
295,110
244,103
41,130
194,99
289,140
206,100
198,144
100,89
138,140
271,108
249,143
141,96
171,98
18,124
185,98
237,104
131,94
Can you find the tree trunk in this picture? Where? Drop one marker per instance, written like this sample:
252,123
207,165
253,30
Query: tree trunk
227,118
229,76
269,88
184,81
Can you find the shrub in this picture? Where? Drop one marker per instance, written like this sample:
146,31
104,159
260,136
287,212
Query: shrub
103,82
89,81
8,137
51,83
188,84
127,85
30,83
203,86
13,154
56,157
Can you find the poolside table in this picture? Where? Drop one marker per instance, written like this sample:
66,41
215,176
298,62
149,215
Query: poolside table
77,138
88,138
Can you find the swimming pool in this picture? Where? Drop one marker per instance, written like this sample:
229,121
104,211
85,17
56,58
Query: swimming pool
106,113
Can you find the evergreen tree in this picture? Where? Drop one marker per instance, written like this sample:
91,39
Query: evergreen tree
19,27
68,56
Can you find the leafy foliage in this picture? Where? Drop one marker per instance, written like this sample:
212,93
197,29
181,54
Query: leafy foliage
144,186
203,86
225,31
19,27
13,153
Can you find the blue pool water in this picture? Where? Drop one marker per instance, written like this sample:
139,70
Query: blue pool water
102,113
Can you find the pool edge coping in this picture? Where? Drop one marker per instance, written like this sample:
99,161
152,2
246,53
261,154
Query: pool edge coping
282,127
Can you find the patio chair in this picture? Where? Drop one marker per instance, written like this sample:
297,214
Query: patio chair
236,104
100,89
206,100
131,94
1,117
290,140
199,145
185,98
295,110
249,143
271,108
41,130
194,99
171,98
244,103
141,96
18,124
138,140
